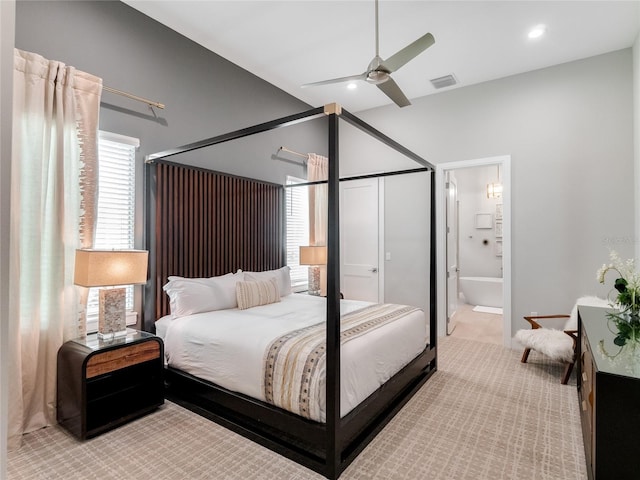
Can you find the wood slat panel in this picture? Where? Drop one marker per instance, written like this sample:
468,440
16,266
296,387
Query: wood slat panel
209,223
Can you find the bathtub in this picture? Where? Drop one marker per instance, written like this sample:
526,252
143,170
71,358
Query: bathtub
485,291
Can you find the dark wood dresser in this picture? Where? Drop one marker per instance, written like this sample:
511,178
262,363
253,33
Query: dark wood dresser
609,396
103,384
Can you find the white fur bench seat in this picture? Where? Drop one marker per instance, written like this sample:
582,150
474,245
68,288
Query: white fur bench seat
556,344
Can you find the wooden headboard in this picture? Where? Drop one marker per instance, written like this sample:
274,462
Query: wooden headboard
208,223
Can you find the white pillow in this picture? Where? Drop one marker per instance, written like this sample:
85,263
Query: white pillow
253,294
188,296
204,279
282,275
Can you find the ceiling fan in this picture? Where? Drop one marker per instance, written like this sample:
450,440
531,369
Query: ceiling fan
379,71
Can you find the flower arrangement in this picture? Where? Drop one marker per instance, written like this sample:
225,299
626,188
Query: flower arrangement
626,300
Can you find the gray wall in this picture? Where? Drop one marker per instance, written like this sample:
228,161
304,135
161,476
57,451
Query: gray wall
205,95
406,213
569,130
406,238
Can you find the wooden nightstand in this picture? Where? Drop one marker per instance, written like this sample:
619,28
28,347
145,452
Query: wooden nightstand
103,384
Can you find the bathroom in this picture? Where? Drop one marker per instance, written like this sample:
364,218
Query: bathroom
478,313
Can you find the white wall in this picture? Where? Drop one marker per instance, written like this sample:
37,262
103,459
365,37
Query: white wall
636,140
7,23
406,214
406,239
477,246
569,131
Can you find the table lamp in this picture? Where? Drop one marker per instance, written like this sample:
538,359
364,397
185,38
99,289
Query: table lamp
110,268
314,256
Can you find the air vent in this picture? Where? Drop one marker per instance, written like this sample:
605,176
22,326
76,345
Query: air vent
446,81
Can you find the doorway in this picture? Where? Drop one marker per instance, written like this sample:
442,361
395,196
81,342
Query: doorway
444,242
361,239
452,247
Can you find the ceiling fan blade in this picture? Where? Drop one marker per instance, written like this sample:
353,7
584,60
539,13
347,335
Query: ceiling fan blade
350,78
392,90
398,59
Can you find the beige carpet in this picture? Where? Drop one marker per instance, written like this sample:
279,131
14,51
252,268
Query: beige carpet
478,326
483,415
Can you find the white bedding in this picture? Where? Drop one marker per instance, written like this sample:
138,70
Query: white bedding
227,347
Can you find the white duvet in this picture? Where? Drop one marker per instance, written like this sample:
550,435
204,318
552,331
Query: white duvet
227,347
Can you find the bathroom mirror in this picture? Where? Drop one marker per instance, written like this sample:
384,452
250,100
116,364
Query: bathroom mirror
484,220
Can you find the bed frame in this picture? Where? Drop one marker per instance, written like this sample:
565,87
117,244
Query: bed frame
326,448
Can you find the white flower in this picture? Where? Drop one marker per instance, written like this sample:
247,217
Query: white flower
626,271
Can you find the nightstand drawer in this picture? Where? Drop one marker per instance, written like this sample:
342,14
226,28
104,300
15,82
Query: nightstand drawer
112,360
103,384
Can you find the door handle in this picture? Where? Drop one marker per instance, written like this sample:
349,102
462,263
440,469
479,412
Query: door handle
374,269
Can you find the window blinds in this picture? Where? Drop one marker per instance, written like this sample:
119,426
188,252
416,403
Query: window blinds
297,199
116,205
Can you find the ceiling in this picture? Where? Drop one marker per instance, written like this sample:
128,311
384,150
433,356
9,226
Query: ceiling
290,43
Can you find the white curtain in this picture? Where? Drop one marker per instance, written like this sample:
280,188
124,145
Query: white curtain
53,199
317,170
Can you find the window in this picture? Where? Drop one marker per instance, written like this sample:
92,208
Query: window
297,231
116,206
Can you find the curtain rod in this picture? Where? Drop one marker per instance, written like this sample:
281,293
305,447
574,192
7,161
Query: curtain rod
151,103
285,149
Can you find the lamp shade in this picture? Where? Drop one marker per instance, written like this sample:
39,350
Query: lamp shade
101,268
313,255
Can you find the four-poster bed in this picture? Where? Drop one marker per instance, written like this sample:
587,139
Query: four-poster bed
244,220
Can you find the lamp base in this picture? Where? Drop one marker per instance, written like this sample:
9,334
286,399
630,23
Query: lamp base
112,319
111,336
314,280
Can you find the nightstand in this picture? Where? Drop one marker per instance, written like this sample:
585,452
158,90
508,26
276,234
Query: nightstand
102,384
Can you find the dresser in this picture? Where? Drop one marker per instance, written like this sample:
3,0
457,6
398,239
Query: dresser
103,384
609,396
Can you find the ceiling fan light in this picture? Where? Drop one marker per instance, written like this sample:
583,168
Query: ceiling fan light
377,76
352,86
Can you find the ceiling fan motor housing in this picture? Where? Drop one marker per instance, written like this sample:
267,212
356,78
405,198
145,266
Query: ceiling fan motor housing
376,73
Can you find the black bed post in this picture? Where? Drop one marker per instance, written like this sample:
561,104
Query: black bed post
149,290
334,441
433,277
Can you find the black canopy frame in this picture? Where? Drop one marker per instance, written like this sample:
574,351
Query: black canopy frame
330,447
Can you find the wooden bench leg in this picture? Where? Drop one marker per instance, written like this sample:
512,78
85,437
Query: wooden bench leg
525,355
567,373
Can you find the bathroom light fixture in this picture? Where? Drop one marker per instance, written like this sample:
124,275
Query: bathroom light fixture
494,189
537,31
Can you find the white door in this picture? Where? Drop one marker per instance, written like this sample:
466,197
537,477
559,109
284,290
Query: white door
359,240
452,246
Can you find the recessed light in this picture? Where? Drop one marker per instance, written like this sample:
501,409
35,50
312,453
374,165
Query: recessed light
537,31
352,86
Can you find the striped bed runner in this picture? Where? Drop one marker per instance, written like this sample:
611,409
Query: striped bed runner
294,364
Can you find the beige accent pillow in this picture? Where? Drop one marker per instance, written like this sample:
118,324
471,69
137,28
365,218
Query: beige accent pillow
253,294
